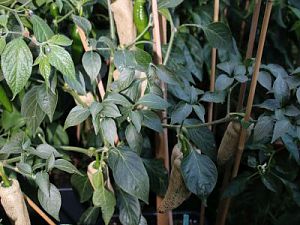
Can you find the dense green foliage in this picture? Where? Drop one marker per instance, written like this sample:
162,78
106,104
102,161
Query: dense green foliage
47,75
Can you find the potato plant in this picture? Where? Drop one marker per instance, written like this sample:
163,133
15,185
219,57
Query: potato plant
78,96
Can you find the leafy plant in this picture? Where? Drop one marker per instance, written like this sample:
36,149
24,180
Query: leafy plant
63,67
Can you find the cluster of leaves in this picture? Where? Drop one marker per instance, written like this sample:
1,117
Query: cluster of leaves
33,144
39,70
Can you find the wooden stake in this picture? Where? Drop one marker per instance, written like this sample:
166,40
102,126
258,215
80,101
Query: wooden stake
162,150
38,210
213,63
242,139
249,53
211,89
250,47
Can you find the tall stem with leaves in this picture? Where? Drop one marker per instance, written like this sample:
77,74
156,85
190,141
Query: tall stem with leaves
249,106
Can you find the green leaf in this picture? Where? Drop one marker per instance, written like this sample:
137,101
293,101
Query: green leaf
137,119
91,62
83,23
129,173
271,182
216,97
89,216
125,79
45,69
24,168
3,20
51,203
50,162
31,110
47,101
78,84
265,80
61,40
66,166
280,128
199,173
263,128
44,151
137,59
281,90
42,180
142,60
14,144
41,30
129,207
117,99
291,146
76,116
200,111
166,75
237,186
110,110
181,111
153,102
109,130
223,82
134,139
218,35
107,201
168,3
2,44
83,187
152,120
158,175
16,64
227,67
61,60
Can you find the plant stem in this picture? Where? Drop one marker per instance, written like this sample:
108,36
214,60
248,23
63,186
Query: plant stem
111,22
6,182
222,120
110,74
96,165
74,95
12,160
85,151
171,42
150,24
65,16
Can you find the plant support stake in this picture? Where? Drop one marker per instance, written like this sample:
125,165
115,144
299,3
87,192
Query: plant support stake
162,150
211,89
242,139
249,53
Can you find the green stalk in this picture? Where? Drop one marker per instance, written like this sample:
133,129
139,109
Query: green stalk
6,182
97,162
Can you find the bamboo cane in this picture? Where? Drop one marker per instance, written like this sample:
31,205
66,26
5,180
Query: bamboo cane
242,139
211,88
213,63
162,138
249,49
249,53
